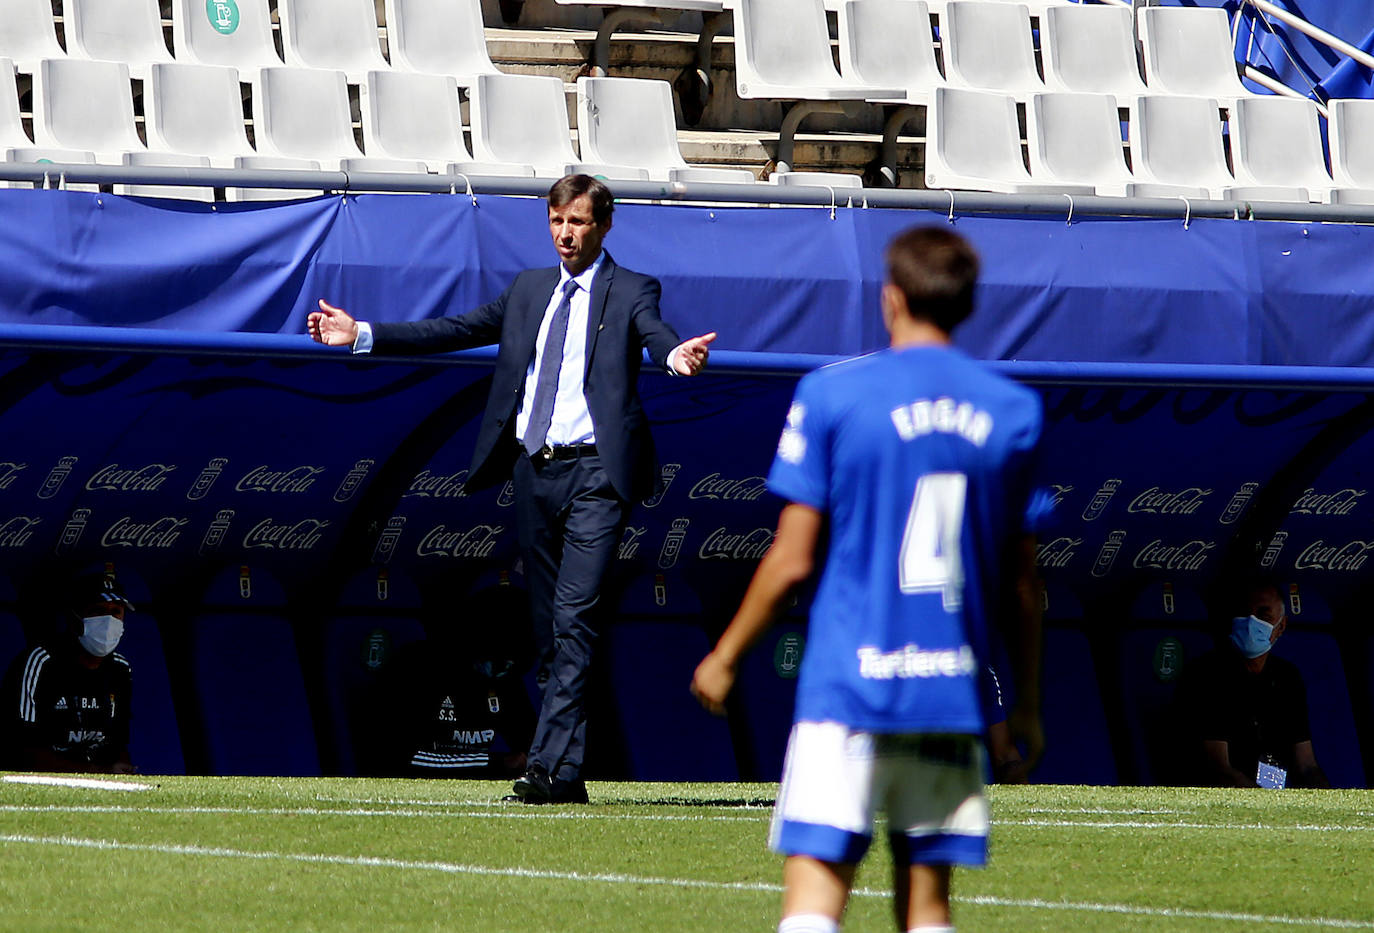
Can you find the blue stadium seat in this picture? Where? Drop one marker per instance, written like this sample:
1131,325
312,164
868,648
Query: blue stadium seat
1078,747
1148,664
1335,739
254,712
668,736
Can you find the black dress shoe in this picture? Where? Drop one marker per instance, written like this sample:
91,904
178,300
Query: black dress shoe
570,791
534,786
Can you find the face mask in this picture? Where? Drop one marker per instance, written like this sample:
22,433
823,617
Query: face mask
101,635
1251,636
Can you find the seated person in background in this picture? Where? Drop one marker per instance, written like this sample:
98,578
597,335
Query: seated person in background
67,700
1244,710
453,705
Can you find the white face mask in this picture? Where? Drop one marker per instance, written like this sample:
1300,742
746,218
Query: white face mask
1251,636
101,635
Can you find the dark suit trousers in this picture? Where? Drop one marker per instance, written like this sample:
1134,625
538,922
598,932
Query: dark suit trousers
570,520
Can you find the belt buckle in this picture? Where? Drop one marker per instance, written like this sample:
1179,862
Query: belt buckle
546,451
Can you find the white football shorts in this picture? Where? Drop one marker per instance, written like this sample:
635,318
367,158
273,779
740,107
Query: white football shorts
837,779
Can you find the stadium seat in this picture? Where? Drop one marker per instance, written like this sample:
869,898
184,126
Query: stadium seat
889,43
1276,143
1075,139
1149,662
1188,51
28,34
989,46
973,142
12,132
1335,739
127,31
439,37
1351,138
303,113
1078,747
154,736
521,120
85,105
272,163
817,179
1176,147
668,736
166,160
1091,49
629,121
337,35
196,110
239,36
246,677
418,117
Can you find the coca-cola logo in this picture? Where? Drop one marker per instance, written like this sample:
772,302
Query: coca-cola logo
1340,502
628,549
427,485
1156,501
286,536
295,480
1058,553
713,486
17,531
723,544
1058,491
161,533
1344,557
114,478
9,470
1188,556
476,542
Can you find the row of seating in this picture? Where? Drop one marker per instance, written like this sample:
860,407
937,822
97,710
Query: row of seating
1177,147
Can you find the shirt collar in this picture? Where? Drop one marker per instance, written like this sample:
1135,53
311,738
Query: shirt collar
583,278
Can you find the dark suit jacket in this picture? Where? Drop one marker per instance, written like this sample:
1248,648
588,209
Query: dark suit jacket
622,321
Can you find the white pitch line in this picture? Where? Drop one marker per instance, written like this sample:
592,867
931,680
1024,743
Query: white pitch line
454,868
1211,827
524,813
83,783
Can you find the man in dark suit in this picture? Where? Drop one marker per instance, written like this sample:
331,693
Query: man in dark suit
564,419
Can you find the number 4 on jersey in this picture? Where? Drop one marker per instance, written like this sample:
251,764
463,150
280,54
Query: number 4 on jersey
930,559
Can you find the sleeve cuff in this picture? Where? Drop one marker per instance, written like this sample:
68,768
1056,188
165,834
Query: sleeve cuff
363,344
672,360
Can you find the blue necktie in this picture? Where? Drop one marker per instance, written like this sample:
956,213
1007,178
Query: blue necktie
546,386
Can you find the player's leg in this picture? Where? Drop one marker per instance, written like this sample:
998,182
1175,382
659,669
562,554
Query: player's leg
932,788
822,822
922,897
814,894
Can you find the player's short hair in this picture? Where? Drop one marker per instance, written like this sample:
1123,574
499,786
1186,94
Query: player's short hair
571,187
936,269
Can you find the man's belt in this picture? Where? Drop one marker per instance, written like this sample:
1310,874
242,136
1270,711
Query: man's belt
565,451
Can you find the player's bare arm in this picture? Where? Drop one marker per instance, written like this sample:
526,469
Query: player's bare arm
331,326
788,563
1025,639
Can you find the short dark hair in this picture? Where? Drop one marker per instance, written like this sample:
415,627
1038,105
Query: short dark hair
936,269
571,187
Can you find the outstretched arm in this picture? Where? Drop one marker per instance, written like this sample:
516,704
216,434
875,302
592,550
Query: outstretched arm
689,357
331,326
787,563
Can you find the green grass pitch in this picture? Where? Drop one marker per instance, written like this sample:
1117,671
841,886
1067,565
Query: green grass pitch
241,854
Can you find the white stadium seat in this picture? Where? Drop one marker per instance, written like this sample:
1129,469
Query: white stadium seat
782,50
89,105
1176,147
238,35
989,46
196,110
339,35
28,34
1075,139
1351,137
303,113
1188,50
889,43
521,120
260,162
15,145
417,117
166,159
1090,48
629,121
127,31
817,179
1276,143
442,37
973,142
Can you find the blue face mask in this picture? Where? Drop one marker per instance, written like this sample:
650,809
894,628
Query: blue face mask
1251,636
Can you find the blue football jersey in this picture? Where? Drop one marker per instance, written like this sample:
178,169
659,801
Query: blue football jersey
920,459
